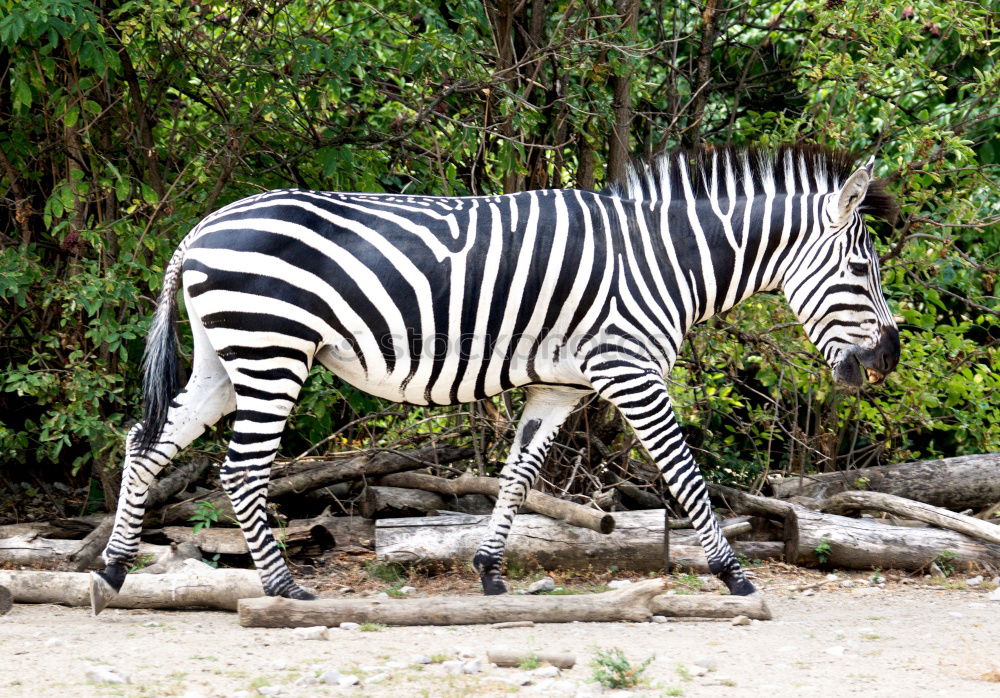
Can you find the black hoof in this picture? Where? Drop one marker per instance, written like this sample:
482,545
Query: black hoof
300,594
105,585
493,585
739,585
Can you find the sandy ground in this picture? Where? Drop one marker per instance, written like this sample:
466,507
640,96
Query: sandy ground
899,641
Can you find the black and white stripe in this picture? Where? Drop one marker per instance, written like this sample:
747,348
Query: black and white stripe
438,301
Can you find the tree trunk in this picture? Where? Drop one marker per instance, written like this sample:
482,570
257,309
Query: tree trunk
554,508
230,541
944,518
964,482
196,585
51,553
635,544
380,502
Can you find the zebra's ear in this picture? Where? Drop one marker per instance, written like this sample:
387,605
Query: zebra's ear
846,201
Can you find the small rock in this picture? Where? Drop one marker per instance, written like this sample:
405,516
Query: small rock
420,659
974,581
54,642
270,690
619,583
396,665
406,590
517,679
381,595
741,620
315,632
346,680
152,624
543,584
994,595
809,592
847,583
936,571
307,680
659,619
955,614
836,650
330,676
464,653
346,590
706,662
832,577
103,674
279,665
546,672
348,625
473,666
453,666
519,591
377,678
697,670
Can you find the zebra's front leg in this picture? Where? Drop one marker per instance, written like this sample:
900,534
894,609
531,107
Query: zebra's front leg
545,409
645,403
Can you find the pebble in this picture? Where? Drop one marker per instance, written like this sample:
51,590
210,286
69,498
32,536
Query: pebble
397,665
546,672
270,690
517,679
346,680
697,670
464,653
307,680
315,632
152,624
473,666
809,592
453,666
832,577
543,584
420,659
406,590
330,676
346,590
706,662
836,650
974,581
619,583
741,620
658,619
54,642
994,595
348,625
377,678
847,583
103,674
279,664
381,595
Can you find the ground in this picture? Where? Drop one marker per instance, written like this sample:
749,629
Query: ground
906,638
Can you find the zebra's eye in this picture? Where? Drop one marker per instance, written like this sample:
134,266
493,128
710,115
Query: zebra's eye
858,268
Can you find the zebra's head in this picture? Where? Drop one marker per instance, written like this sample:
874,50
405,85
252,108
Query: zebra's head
833,285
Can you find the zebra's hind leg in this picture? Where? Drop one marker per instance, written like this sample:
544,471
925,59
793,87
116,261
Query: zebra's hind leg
643,399
266,391
207,397
544,412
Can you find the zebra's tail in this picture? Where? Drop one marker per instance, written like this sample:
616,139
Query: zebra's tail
161,373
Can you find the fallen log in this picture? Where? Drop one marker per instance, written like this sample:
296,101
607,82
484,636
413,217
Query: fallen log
75,528
815,538
323,473
35,551
635,544
944,518
230,541
540,503
6,600
956,483
379,502
702,606
196,585
515,658
87,551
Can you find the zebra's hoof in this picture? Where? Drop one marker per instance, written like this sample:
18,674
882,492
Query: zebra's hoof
104,586
740,586
300,594
493,586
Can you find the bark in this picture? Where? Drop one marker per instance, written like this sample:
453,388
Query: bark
322,474
554,508
702,606
381,502
230,541
636,543
944,518
83,557
964,482
514,658
51,553
74,528
629,604
195,586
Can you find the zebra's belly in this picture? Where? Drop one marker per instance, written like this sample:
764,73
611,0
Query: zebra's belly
448,380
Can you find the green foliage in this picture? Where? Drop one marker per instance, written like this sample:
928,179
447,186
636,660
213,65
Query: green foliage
126,124
822,551
205,514
946,562
389,572
613,670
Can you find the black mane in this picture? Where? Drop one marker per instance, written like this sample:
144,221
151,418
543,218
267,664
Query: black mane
826,170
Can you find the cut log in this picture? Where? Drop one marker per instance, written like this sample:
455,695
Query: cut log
75,528
83,557
230,541
515,658
537,502
635,544
958,483
628,604
866,544
321,474
195,586
944,518
51,553
706,606
179,479
381,502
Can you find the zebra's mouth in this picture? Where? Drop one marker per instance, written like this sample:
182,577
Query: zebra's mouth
852,371
874,377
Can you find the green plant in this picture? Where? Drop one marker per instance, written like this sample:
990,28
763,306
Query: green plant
529,662
823,550
371,627
674,691
613,670
389,572
945,560
141,562
205,514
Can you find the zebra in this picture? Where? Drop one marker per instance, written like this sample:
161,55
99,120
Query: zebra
443,300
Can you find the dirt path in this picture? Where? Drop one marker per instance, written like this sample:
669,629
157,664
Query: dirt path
897,641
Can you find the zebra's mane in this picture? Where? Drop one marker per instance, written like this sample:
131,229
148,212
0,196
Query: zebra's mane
782,168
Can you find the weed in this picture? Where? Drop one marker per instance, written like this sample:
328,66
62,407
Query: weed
823,551
613,670
438,658
683,672
530,662
141,562
371,627
205,514
690,581
389,572
747,563
945,560
395,593
674,691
